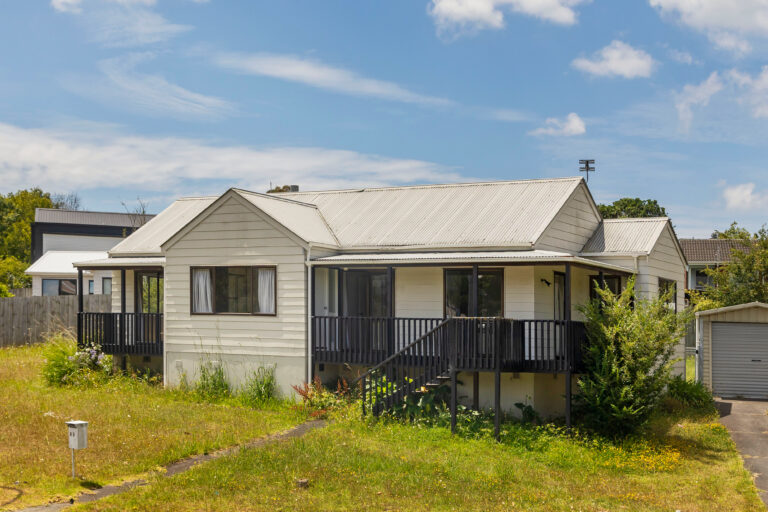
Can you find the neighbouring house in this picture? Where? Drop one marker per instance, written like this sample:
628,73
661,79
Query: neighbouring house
704,253
62,237
329,283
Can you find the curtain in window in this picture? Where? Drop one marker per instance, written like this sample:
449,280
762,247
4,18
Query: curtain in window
266,292
202,292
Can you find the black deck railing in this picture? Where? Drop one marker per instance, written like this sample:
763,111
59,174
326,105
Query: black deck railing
123,333
547,346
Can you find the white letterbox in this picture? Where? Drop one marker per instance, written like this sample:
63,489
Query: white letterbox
78,434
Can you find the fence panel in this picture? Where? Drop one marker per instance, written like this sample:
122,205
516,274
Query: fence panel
27,319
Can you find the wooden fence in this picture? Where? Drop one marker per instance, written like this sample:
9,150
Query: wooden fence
21,292
28,319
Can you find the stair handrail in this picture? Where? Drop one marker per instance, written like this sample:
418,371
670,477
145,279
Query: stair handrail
399,352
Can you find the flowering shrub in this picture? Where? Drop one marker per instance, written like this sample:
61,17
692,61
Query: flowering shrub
320,400
66,365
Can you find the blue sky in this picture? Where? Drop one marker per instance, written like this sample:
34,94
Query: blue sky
119,99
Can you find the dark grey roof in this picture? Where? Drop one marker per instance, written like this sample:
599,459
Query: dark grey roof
710,250
56,216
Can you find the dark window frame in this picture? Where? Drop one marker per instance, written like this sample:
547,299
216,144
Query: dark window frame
608,277
249,280
137,293
58,286
480,270
91,286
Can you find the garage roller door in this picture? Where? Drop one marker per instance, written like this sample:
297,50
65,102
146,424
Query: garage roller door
740,359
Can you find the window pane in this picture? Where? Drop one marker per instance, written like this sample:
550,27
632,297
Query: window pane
231,293
457,285
202,292
50,287
90,287
106,285
365,293
559,298
67,287
264,286
612,282
490,290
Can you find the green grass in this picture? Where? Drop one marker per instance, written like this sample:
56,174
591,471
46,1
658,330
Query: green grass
133,429
686,464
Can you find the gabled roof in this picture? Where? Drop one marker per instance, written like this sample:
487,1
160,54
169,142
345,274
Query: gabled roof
146,240
60,263
58,216
625,236
710,250
511,214
303,219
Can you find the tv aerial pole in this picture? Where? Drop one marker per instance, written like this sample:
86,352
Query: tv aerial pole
587,166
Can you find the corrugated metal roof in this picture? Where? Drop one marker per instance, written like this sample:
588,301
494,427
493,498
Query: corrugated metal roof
534,256
737,307
61,262
93,264
625,236
711,250
303,219
124,220
146,241
493,214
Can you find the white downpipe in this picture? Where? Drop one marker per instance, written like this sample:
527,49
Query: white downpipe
310,298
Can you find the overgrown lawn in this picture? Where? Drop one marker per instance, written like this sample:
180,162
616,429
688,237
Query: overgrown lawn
687,464
133,428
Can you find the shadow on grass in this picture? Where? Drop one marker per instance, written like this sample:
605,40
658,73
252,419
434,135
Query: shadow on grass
19,493
90,485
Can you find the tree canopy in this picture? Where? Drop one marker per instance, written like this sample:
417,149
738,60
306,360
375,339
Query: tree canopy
627,207
733,231
17,212
744,278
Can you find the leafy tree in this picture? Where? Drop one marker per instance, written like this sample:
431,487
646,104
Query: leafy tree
4,292
745,277
12,273
734,231
628,359
17,212
632,207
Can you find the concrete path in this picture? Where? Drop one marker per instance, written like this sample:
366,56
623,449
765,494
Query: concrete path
180,467
747,421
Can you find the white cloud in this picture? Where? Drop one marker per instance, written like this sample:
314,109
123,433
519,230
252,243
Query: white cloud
82,159
122,86
459,16
323,76
744,197
727,23
571,125
121,23
696,95
756,88
682,57
617,59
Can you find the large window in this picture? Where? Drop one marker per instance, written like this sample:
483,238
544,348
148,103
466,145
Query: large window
149,296
702,279
612,282
91,287
236,290
459,297
665,286
59,287
366,293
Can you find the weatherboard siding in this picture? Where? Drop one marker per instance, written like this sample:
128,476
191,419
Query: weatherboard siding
573,225
239,342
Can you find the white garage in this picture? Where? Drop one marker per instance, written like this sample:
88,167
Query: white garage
733,348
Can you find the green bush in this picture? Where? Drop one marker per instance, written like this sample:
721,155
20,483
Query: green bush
212,386
65,365
628,360
319,400
260,388
689,393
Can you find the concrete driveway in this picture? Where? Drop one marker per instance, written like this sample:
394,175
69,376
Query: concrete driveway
747,421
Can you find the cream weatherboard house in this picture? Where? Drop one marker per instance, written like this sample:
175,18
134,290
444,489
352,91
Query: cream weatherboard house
478,282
